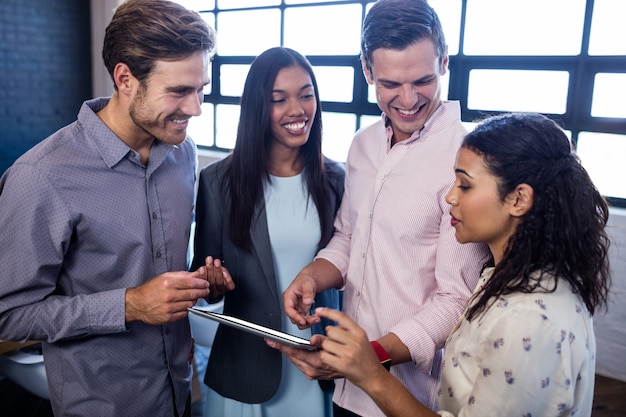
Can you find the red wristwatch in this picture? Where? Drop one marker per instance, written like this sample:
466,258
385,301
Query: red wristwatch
383,356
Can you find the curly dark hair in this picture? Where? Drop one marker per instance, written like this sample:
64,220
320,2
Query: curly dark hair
563,234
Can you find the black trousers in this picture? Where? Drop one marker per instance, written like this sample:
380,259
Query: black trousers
342,412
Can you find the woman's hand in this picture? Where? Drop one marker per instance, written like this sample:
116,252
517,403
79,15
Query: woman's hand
218,277
347,349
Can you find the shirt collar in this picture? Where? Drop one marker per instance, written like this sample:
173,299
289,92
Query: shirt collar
110,147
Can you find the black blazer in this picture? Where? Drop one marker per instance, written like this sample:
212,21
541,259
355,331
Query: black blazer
241,366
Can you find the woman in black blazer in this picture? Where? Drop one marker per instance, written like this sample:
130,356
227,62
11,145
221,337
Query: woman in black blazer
279,138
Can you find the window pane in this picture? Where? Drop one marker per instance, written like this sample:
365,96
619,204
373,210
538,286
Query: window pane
335,83
197,4
368,120
469,126
609,91
233,78
309,1
209,18
324,30
237,4
607,28
247,32
209,87
445,85
530,27
371,93
602,155
227,116
518,90
201,127
339,129
449,12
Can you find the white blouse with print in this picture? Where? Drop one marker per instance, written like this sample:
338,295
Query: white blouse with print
528,355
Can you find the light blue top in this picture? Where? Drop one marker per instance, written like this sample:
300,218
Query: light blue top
294,231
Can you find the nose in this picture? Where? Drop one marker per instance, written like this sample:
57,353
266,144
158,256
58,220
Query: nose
408,96
295,108
451,196
192,105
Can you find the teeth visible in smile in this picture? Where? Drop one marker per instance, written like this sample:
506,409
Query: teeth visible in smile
407,112
179,120
295,126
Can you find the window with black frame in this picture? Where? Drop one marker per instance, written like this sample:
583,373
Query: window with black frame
562,58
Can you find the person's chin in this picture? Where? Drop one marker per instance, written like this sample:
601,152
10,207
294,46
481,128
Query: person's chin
175,138
461,238
406,128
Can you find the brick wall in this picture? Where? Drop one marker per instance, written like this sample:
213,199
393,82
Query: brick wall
45,70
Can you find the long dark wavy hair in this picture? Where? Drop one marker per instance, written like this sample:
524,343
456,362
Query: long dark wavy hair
563,233
248,168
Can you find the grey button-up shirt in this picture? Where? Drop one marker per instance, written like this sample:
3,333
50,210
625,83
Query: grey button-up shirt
81,220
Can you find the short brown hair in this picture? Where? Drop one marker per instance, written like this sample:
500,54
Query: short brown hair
397,24
144,31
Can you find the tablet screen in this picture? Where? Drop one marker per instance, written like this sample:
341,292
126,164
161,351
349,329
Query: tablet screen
257,329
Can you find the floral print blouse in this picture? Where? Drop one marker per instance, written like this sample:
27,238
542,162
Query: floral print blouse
527,355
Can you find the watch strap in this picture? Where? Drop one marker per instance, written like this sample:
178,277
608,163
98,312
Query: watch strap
381,353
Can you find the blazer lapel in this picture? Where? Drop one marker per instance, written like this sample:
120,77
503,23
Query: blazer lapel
261,244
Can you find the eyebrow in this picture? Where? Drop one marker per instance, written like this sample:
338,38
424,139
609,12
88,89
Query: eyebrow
304,87
462,171
419,80
183,88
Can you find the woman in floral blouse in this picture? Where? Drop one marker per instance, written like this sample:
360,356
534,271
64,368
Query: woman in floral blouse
526,345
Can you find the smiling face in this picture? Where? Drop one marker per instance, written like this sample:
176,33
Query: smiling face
407,84
162,105
478,213
293,108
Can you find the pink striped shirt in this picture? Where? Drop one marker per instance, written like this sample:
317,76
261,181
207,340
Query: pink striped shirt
404,271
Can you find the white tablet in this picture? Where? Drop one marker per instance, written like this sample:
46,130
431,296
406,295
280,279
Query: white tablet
256,329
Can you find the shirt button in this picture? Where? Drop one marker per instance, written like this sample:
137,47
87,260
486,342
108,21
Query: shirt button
363,255
154,216
132,154
358,293
167,330
158,254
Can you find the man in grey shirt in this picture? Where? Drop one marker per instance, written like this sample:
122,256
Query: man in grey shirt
94,219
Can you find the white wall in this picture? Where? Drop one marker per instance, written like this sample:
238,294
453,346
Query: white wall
610,327
101,14
205,157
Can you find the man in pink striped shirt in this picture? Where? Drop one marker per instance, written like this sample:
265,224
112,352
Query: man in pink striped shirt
406,279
